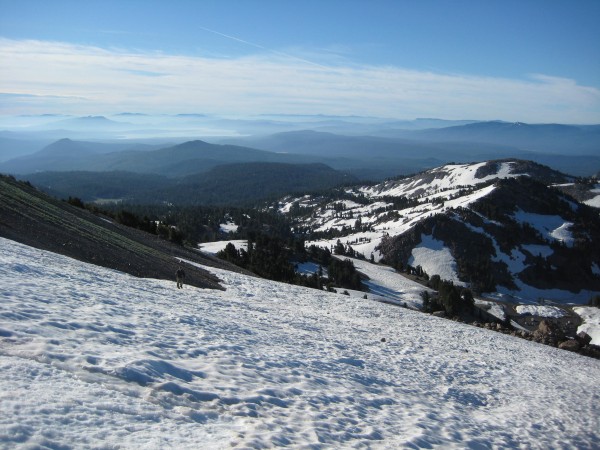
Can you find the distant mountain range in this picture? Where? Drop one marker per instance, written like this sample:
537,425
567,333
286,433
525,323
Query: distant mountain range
369,148
570,149
547,138
175,161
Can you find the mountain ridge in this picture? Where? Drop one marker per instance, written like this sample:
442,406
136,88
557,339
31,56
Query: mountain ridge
533,239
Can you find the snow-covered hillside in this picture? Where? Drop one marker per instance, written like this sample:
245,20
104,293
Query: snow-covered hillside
523,226
435,192
93,358
448,179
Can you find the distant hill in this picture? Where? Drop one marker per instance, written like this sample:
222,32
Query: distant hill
93,186
174,161
247,183
229,184
11,147
68,154
371,157
572,149
550,138
369,148
92,123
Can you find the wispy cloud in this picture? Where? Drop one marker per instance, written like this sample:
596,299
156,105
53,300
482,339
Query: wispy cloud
109,80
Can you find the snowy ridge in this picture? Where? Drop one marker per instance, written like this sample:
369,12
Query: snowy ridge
445,182
456,191
449,177
93,358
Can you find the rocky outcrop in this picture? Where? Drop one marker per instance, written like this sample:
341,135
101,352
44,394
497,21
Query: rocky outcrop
571,345
548,333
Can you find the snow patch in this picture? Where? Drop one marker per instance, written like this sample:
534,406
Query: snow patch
386,284
591,322
493,308
541,311
435,259
525,294
550,227
228,227
594,201
215,247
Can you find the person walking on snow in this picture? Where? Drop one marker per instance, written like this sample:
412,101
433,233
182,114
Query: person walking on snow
179,276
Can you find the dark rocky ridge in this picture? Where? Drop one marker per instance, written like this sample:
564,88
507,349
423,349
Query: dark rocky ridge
33,218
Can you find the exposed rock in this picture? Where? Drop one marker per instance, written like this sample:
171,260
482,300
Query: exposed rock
583,338
572,345
545,327
548,333
591,350
439,313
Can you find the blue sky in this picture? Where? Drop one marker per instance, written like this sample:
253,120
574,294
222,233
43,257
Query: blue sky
535,61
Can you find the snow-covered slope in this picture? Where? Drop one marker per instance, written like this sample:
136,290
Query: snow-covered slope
449,178
595,197
506,216
94,358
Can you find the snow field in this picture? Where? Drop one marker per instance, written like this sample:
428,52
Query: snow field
541,311
594,201
215,247
93,358
550,227
435,259
591,322
228,227
495,309
386,284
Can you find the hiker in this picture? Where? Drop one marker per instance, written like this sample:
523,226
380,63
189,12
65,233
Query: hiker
179,276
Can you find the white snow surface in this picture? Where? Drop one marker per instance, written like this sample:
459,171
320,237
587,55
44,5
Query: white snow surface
495,309
591,322
448,177
94,358
435,259
550,227
594,201
386,284
228,227
541,311
217,246
525,294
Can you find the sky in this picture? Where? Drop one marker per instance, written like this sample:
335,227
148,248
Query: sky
532,61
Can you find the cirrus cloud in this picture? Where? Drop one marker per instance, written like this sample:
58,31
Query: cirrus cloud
76,79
